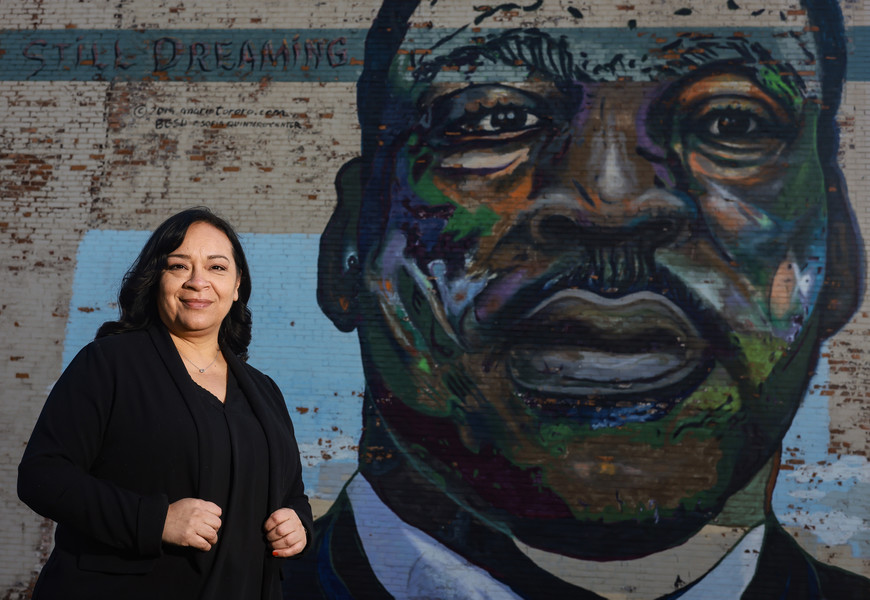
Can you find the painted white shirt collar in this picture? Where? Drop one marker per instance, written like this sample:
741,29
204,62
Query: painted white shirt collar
412,565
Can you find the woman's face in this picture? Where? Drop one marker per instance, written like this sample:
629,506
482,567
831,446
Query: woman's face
199,284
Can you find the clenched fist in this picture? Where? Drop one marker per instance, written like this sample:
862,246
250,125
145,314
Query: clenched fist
285,533
192,522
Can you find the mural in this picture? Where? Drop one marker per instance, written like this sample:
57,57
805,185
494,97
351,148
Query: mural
590,271
572,334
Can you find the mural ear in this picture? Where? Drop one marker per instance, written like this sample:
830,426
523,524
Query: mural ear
339,272
844,280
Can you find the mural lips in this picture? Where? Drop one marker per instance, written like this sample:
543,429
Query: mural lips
632,356
585,343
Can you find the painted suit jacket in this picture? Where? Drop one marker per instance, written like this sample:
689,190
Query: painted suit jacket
337,568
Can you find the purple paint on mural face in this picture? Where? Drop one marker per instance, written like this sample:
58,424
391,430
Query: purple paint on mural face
589,283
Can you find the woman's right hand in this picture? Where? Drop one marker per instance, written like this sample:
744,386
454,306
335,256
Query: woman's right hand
192,522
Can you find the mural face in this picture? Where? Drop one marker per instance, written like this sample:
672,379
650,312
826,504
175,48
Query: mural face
590,267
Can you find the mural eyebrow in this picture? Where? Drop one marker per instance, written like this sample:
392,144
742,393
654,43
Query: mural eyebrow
684,58
533,49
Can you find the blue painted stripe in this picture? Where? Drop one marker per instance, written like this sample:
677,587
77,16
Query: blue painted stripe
858,59
182,55
252,54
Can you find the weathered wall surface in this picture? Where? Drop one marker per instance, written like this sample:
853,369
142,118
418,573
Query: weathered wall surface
114,115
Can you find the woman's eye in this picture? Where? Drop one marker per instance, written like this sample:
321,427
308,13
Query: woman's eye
176,267
219,267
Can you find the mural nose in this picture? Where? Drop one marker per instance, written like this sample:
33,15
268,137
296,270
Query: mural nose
609,189
652,219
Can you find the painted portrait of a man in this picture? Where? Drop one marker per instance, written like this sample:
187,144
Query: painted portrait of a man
590,257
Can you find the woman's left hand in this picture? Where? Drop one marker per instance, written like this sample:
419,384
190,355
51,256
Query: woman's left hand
285,533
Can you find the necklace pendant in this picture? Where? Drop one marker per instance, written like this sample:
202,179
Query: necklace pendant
205,368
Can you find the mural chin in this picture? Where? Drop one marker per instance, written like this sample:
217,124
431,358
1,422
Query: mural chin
560,486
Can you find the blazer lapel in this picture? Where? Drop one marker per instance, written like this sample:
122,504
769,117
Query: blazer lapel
269,421
187,390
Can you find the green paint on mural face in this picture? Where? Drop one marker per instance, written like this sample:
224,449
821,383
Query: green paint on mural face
398,76
804,190
761,354
423,186
462,221
781,85
465,222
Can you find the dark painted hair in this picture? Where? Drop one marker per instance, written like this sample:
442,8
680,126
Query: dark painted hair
137,299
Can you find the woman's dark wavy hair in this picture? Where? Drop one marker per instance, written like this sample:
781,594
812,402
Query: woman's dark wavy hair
137,299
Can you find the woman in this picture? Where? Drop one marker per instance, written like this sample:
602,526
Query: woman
169,464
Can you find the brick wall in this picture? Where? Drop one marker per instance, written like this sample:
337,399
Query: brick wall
93,142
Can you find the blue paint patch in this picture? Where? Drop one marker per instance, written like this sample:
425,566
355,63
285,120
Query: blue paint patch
317,367
824,493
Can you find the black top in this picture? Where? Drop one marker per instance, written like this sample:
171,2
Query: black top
238,485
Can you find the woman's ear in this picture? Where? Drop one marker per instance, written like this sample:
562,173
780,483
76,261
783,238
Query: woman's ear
339,269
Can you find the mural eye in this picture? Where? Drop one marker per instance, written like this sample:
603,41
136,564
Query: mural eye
485,114
728,127
731,124
501,119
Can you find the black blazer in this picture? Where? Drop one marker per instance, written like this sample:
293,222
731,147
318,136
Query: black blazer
114,445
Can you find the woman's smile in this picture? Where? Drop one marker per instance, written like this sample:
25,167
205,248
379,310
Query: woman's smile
197,303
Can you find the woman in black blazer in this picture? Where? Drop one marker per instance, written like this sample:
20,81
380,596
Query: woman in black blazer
169,463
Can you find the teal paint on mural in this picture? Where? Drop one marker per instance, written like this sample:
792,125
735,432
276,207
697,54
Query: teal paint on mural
182,55
277,54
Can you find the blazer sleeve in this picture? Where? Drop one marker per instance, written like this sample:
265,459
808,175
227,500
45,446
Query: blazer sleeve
54,478
295,496
297,499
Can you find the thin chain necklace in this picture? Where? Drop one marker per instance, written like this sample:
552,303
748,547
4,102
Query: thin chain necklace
205,368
